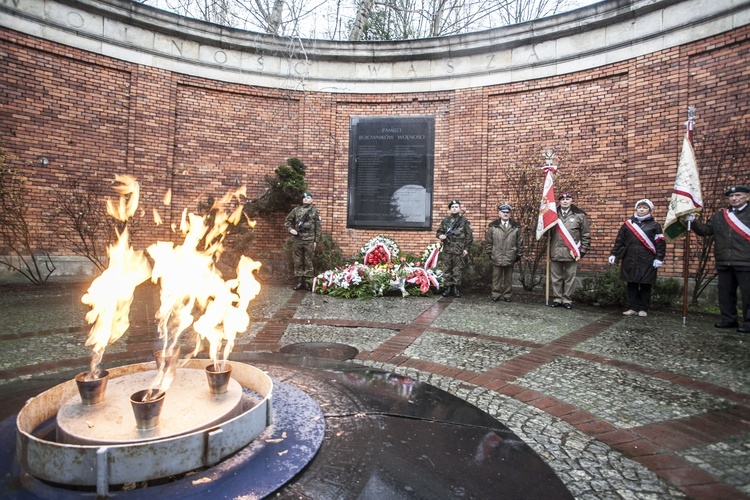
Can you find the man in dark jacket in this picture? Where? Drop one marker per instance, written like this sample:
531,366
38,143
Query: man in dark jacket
563,260
731,228
504,244
456,235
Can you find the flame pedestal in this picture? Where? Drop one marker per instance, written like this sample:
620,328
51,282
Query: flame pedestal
189,406
188,446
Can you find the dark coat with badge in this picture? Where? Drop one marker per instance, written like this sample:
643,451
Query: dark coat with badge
637,261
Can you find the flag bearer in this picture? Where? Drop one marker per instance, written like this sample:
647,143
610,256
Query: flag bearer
731,228
568,244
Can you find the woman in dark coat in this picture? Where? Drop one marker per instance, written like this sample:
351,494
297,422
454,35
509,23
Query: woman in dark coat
640,248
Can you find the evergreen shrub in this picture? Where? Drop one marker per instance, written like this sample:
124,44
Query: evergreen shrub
606,289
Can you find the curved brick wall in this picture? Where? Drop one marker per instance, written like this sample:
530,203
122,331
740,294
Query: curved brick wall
104,87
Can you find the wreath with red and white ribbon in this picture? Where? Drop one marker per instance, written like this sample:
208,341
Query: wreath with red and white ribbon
379,250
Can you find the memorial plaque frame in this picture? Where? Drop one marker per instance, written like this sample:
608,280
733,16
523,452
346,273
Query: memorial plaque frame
391,168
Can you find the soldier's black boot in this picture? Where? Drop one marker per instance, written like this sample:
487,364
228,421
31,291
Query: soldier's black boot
300,283
448,291
456,293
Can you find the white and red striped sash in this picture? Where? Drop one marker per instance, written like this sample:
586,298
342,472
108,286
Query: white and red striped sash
573,246
736,224
643,237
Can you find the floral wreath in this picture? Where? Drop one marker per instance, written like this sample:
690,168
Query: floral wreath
379,250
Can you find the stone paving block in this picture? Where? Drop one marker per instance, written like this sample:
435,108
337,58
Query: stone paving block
526,365
687,476
630,400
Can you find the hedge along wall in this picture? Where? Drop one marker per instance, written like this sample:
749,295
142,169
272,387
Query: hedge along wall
93,114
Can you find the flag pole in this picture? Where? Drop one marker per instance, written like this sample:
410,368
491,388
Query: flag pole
546,293
548,156
685,262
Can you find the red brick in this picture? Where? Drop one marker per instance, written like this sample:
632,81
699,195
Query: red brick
620,123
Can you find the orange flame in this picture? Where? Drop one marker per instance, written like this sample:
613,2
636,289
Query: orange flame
129,190
111,294
191,284
226,314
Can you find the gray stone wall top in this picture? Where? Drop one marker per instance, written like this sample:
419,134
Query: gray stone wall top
600,34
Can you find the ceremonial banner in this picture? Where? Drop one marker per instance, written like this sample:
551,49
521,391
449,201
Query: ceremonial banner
686,195
548,207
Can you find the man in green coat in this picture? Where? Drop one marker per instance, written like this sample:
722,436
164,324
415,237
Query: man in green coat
504,245
456,235
303,223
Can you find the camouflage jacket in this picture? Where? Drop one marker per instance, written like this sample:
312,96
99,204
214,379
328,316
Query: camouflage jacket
461,235
308,226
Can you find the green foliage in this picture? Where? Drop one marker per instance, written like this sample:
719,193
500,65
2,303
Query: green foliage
603,289
284,190
362,291
477,273
328,253
666,292
607,289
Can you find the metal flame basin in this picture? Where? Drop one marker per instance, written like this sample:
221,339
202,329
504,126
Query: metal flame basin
104,464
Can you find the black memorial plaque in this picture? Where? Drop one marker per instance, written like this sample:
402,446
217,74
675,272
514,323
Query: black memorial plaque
391,160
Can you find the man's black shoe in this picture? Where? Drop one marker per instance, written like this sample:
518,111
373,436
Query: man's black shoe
456,293
448,291
743,329
506,300
555,304
495,299
568,306
300,284
725,325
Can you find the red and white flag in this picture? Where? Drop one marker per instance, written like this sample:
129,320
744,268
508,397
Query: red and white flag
548,206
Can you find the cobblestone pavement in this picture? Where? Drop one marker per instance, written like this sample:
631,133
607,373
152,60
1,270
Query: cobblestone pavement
620,407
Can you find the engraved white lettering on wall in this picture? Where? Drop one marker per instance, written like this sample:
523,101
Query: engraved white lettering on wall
178,47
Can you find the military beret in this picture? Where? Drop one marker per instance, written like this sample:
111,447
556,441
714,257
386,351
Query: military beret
737,189
454,202
504,208
306,194
565,194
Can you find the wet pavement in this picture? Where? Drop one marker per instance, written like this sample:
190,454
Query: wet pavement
619,407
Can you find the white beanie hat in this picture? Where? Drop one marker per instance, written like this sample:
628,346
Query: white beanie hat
644,201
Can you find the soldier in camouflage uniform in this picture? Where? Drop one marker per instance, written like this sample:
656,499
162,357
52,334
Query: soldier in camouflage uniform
303,223
456,235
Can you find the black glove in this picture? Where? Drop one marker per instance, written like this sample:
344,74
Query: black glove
518,258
